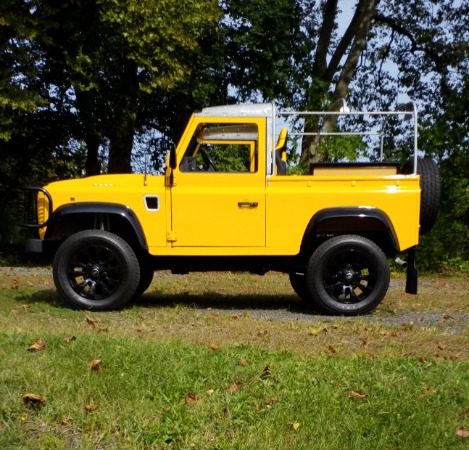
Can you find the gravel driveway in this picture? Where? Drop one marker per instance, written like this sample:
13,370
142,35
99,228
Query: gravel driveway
446,320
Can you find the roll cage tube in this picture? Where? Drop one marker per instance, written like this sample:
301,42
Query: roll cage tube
407,111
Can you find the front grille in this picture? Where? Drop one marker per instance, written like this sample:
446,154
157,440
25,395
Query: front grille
29,215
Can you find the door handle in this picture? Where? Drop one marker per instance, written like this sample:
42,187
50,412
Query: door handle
248,204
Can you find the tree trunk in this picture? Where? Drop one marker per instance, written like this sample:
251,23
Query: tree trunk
120,151
121,129
354,38
87,109
92,164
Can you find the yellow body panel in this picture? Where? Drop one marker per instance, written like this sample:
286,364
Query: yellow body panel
293,200
127,190
244,214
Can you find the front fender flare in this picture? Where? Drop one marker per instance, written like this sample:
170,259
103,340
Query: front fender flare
100,208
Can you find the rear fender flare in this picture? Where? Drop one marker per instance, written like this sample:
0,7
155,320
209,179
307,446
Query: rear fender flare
349,220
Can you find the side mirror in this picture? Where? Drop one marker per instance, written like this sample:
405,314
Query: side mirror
172,158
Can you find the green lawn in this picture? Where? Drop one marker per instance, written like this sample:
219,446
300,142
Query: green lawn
175,376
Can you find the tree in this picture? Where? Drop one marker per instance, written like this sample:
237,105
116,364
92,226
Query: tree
107,54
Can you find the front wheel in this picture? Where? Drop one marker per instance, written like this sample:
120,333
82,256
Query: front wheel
96,270
347,275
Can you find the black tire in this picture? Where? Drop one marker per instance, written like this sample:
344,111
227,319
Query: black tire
347,275
298,283
96,270
430,190
146,277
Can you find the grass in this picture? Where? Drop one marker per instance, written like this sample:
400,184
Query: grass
174,375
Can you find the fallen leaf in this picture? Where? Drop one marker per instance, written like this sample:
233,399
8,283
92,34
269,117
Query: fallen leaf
235,387
210,392
214,347
295,425
262,333
26,306
95,364
37,345
243,362
68,340
313,331
15,284
91,408
463,432
332,349
430,389
441,347
447,317
365,342
355,394
191,398
423,360
33,399
92,320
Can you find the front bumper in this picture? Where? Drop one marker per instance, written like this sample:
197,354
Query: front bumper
41,247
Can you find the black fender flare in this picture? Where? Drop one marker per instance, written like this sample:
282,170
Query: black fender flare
101,208
348,219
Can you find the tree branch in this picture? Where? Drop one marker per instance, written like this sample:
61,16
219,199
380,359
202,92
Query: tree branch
325,35
345,42
415,47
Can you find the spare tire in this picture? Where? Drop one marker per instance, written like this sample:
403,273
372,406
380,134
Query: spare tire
430,190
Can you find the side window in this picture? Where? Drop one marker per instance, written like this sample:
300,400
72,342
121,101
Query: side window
227,148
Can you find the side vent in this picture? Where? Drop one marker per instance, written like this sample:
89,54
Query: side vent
152,203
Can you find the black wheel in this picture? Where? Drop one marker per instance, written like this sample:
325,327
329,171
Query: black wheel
146,277
347,275
430,190
96,270
298,283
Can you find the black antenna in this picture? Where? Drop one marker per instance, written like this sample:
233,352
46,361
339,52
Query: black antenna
145,170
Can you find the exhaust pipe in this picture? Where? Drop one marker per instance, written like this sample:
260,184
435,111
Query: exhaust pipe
401,263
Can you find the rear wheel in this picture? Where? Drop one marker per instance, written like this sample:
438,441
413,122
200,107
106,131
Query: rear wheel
347,275
96,270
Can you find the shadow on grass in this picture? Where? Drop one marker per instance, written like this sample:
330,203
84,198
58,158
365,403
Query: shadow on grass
217,301
44,296
209,300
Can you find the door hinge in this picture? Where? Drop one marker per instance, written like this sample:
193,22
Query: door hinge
171,236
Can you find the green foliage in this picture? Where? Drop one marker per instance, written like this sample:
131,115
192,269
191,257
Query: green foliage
82,77
18,94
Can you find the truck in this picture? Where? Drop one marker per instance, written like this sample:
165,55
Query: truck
225,202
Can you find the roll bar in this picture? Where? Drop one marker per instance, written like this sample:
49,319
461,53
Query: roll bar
408,110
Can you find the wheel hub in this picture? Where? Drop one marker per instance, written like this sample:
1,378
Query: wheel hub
349,275
95,271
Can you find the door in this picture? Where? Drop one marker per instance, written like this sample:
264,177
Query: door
218,199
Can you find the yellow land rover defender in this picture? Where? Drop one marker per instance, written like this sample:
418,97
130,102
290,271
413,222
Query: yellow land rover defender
226,202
